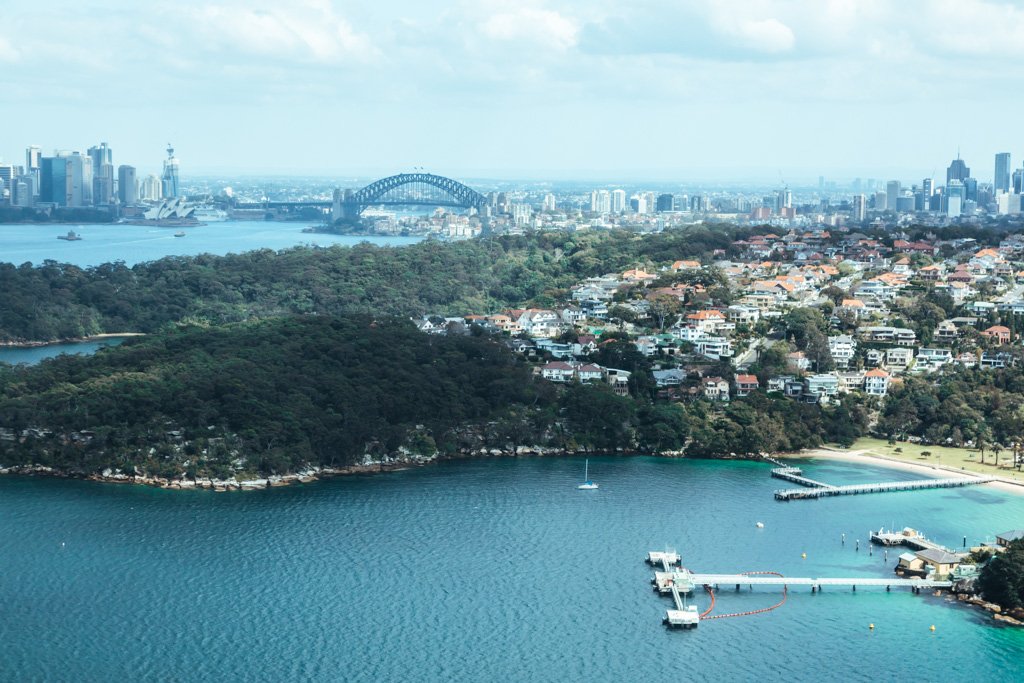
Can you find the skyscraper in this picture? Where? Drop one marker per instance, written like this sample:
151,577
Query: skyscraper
618,201
860,208
169,180
62,179
892,193
666,202
927,188
151,189
127,185
102,158
882,201
1002,176
957,170
32,156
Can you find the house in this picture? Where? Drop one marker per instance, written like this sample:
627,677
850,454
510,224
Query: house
822,385
993,360
743,315
946,331
938,562
1004,539
998,333
746,384
778,383
669,378
685,265
876,382
798,360
855,306
931,359
567,371
715,388
713,347
898,358
709,321
842,347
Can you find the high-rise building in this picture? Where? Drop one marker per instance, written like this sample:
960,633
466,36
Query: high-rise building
1002,176
618,201
600,201
151,189
970,189
881,201
953,198
892,193
957,170
127,185
1018,181
62,179
666,202
171,188
549,202
32,156
22,191
102,158
927,188
860,207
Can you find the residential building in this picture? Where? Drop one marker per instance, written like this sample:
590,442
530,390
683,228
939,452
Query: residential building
876,382
715,388
746,384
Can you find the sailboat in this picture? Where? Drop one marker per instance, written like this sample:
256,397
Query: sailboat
587,485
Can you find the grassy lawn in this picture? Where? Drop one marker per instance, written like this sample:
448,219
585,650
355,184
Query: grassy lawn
968,459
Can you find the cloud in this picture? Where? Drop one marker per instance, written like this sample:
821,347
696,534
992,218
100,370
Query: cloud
766,35
534,25
8,53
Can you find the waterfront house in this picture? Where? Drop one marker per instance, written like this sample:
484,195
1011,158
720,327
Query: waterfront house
1004,539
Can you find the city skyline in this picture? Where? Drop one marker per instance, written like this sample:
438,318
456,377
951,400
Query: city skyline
559,90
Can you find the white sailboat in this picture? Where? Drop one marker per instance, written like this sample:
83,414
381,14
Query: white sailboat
587,485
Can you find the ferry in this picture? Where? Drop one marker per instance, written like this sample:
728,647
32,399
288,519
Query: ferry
72,236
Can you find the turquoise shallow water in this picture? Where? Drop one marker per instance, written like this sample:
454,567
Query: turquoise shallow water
477,571
30,355
21,243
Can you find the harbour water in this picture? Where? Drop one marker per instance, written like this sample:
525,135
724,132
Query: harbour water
30,355
479,571
105,243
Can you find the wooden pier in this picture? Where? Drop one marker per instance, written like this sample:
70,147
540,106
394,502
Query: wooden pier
908,537
816,584
795,475
885,487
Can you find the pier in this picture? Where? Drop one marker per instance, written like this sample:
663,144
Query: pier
885,487
908,537
795,475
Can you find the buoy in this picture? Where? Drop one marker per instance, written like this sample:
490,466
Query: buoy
871,626
933,628
803,555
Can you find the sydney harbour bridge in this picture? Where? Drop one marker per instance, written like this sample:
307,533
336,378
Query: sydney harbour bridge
404,189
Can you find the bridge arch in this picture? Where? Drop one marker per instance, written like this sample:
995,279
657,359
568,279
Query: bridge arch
452,193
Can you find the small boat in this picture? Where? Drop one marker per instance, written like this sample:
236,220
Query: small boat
587,484
72,236
760,525
179,234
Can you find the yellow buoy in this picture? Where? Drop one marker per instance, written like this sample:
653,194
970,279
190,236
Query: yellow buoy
803,555
871,626
933,627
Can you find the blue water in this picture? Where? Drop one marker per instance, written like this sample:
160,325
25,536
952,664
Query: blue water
477,571
135,243
30,355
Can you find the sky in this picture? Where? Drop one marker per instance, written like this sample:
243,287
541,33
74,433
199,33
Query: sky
532,89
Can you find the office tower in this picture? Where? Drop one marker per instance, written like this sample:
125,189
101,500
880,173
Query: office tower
953,198
127,185
62,179
32,156
860,207
600,201
521,213
666,202
151,189
957,170
549,202
970,189
6,175
927,188
21,191
169,180
102,158
1018,181
1002,176
920,201
618,201
905,203
892,193
881,201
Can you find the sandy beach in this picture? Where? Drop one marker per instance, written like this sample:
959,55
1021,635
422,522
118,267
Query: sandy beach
928,470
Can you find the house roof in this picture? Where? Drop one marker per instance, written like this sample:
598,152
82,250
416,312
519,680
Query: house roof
746,379
877,372
998,329
938,556
1011,535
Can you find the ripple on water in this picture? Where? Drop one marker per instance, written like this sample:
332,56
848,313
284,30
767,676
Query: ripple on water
490,570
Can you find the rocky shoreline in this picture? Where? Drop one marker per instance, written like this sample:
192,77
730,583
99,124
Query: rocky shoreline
396,462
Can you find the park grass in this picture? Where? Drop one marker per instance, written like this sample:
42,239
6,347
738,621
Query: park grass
966,459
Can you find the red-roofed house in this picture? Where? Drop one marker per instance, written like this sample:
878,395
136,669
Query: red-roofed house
876,382
998,333
746,384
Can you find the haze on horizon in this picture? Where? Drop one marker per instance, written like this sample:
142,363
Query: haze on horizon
648,89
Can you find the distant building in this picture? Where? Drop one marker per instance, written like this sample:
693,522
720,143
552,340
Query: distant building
892,193
957,170
1001,181
860,208
169,180
618,201
127,185
665,202
600,201
151,189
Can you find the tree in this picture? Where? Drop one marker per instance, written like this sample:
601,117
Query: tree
664,308
1002,579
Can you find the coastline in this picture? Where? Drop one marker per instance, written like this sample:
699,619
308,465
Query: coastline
70,340
866,457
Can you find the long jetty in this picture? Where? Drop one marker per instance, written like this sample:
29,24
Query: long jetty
885,487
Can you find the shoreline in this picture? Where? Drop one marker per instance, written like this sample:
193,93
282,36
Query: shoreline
69,340
866,457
